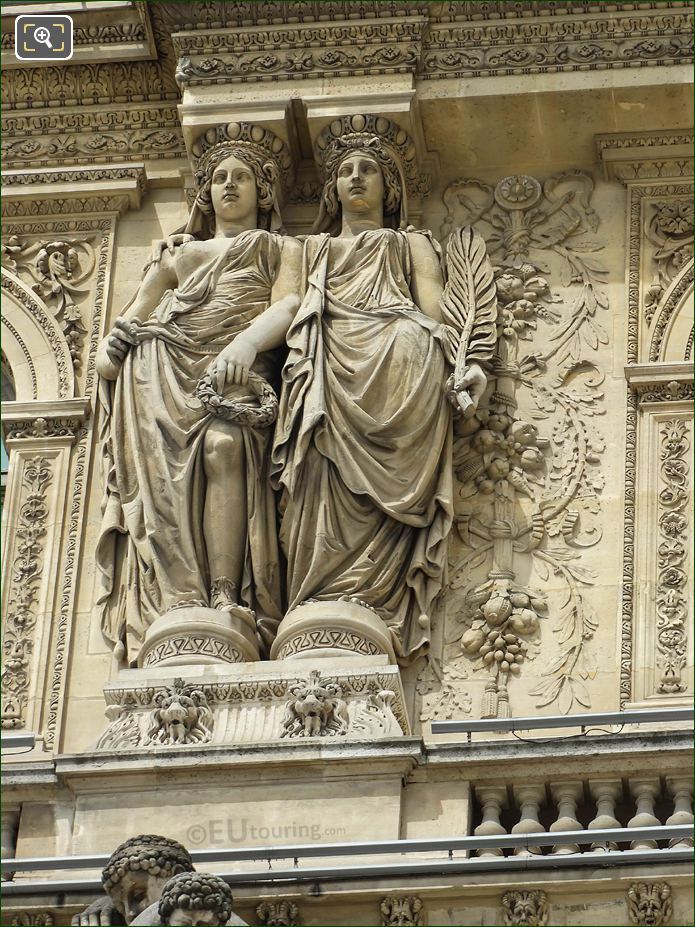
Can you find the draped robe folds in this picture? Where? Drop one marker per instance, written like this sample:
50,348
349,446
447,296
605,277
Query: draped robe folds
151,554
363,441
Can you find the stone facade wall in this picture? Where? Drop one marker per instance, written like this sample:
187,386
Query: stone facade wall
562,134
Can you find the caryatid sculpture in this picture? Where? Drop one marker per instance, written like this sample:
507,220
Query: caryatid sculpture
363,444
187,556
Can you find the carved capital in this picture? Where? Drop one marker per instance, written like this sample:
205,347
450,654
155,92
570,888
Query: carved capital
661,383
32,421
646,155
278,913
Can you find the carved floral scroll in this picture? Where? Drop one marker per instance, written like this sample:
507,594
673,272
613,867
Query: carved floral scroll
529,495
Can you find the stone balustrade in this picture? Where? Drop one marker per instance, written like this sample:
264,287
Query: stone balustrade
590,804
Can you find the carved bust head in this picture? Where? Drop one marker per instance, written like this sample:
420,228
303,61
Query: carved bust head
138,870
196,899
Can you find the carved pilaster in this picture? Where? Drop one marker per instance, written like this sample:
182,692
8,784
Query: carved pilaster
657,170
39,437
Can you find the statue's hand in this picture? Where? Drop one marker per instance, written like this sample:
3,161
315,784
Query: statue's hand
233,363
100,913
168,244
473,382
113,349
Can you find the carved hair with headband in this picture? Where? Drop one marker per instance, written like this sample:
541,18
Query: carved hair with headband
260,149
379,138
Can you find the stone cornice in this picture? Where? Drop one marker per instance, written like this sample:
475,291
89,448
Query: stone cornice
251,54
634,156
53,191
664,382
59,418
148,131
536,38
459,41
271,41
121,31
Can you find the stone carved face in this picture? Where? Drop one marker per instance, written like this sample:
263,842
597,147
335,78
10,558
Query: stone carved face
360,183
233,190
525,908
180,917
650,903
136,891
181,716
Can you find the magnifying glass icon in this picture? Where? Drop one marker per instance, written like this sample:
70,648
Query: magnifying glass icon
42,35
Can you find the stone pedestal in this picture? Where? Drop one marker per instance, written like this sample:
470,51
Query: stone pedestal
340,628
356,698
201,635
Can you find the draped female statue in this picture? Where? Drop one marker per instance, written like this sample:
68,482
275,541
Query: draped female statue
189,527
364,436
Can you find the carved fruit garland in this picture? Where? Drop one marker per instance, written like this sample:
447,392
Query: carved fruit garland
522,495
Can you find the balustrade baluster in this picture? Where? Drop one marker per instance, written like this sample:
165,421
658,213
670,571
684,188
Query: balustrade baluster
682,791
606,793
492,799
566,795
530,798
645,792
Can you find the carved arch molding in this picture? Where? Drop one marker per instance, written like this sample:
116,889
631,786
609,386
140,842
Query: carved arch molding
671,334
34,345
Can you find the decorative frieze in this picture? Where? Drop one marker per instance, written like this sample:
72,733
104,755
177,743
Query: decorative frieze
327,48
33,919
251,709
569,43
95,133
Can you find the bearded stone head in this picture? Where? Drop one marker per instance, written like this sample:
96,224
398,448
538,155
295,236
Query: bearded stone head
650,903
525,908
